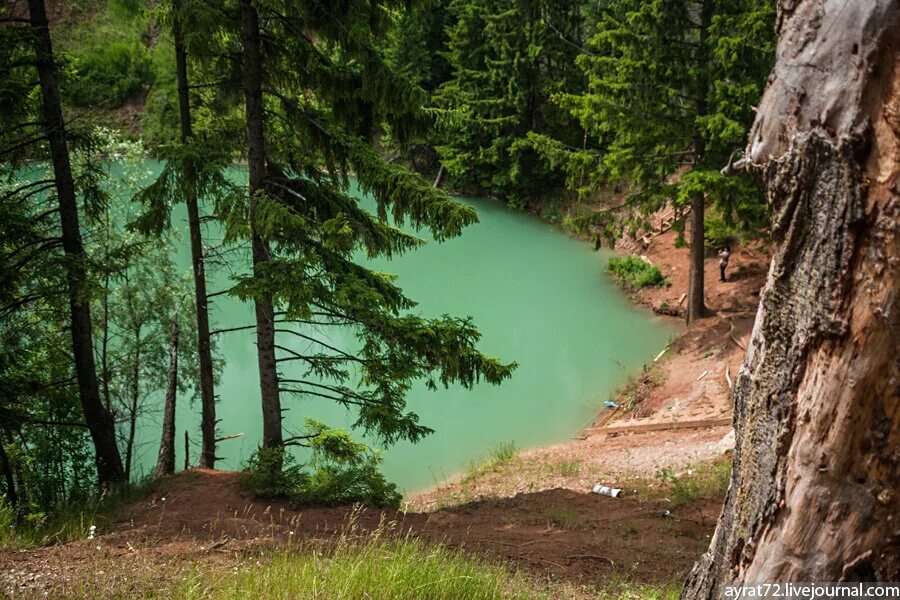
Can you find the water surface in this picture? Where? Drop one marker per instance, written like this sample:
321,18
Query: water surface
539,297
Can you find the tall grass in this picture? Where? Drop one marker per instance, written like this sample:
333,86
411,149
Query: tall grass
501,454
67,522
380,569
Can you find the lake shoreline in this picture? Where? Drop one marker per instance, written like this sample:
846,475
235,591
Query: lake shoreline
689,381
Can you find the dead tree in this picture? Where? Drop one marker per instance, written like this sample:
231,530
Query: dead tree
814,490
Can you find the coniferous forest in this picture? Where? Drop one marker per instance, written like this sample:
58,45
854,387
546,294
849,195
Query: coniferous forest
448,298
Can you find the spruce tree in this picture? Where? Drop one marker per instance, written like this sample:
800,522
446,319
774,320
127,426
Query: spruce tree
316,87
98,419
192,174
671,90
508,58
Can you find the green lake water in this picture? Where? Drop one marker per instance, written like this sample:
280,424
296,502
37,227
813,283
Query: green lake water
539,297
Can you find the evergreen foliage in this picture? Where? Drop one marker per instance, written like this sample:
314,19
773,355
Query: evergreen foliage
339,471
509,58
671,85
325,115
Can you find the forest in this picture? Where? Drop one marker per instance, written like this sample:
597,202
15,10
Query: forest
327,266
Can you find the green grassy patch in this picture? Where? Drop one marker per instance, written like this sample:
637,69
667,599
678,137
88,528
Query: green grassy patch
502,454
634,273
68,522
567,468
562,517
377,568
706,481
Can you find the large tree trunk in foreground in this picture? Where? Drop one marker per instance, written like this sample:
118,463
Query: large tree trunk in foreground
165,461
98,419
256,162
204,350
814,492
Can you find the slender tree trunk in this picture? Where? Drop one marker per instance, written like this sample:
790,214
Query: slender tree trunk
204,351
135,402
814,490
11,496
104,342
165,462
696,307
256,159
98,419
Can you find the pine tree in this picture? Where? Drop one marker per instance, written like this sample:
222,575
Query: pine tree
508,58
193,173
316,87
98,419
671,87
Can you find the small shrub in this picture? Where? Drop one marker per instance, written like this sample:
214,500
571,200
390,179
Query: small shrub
635,273
339,471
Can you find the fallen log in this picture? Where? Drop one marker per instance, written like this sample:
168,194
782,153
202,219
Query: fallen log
662,426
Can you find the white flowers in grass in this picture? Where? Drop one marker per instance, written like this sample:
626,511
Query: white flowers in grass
92,531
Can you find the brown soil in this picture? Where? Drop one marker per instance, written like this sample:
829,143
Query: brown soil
202,517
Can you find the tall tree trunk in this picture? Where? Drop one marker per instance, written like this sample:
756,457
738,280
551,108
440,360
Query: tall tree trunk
256,161
135,402
98,419
165,462
696,308
106,375
204,352
814,491
10,479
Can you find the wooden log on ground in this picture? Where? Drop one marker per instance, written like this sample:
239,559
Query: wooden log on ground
661,426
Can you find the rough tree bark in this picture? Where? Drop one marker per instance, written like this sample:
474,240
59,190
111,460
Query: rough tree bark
256,163
204,352
98,419
814,491
165,462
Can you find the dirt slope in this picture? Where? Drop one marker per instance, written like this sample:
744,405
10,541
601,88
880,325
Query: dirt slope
202,517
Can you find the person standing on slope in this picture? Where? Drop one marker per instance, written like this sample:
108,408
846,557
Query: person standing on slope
724,254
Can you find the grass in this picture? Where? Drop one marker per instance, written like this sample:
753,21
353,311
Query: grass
706,481
379,569
380,566
635,273
68,522
502,454
565,518
566,468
